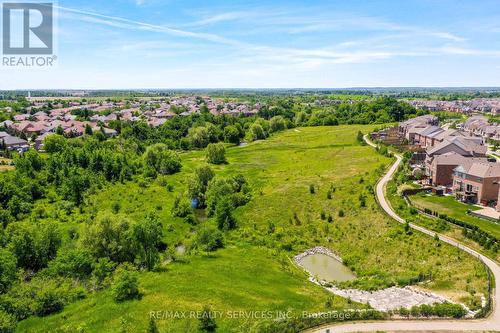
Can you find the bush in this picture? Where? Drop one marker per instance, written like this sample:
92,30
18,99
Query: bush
277,123
48,301
110,236
231,134
75,263
207,321
8,268
210,239
125,284
223,214
115,207
7,322
182,207
216,153
162,160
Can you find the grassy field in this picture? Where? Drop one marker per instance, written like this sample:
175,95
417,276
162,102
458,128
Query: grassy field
254,272
450,206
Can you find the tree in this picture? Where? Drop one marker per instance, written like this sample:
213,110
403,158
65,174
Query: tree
277,124
54,143
199,136
210,239
231,134
110,236
148,234
8,270
256,132
207,321
224,215
162,160
33,245
198,184
216,153
125,284
216,190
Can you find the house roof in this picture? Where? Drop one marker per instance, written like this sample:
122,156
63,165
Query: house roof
429,130
467,145
485,169
12,140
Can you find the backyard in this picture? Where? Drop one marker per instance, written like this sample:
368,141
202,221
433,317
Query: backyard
450,206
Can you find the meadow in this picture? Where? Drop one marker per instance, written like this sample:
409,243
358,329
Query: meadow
310,186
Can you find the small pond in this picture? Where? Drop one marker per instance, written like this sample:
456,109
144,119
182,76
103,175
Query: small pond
326,268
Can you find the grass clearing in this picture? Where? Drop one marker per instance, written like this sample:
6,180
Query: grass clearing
254,271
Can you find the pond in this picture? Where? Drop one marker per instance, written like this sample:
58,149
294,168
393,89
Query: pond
326,268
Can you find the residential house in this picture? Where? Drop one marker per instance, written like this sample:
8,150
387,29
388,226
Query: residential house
408,129
441,168
477,182
14,143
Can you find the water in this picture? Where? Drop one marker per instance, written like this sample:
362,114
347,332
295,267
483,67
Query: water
327,268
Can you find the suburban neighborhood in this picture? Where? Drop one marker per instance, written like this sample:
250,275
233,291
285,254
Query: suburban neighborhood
76,118
455,161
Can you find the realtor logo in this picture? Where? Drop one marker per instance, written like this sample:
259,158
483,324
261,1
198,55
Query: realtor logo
27,29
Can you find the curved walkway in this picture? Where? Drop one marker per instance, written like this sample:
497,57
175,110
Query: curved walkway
492,323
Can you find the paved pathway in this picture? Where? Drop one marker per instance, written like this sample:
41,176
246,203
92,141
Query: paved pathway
492,323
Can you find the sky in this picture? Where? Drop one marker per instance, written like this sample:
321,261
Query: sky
153,44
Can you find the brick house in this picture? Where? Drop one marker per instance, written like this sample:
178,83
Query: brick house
477,182
441,168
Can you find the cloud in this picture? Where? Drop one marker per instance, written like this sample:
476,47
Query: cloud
120,22
402,41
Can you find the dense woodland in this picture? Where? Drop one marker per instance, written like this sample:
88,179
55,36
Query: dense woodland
38,278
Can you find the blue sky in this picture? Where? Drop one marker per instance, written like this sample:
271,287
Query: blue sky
250,44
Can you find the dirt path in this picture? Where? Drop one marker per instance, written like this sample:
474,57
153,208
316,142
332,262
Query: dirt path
492,323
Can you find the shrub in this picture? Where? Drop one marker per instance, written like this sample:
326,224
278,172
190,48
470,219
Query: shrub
311,189
7,322
152,328
181,207
125,284
48,300
102,271
210,239
8,269
75,263
207,321
115,207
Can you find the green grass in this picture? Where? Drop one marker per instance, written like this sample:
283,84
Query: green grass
450,206
254,272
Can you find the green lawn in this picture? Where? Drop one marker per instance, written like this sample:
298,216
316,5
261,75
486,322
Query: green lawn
254,272
450,206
